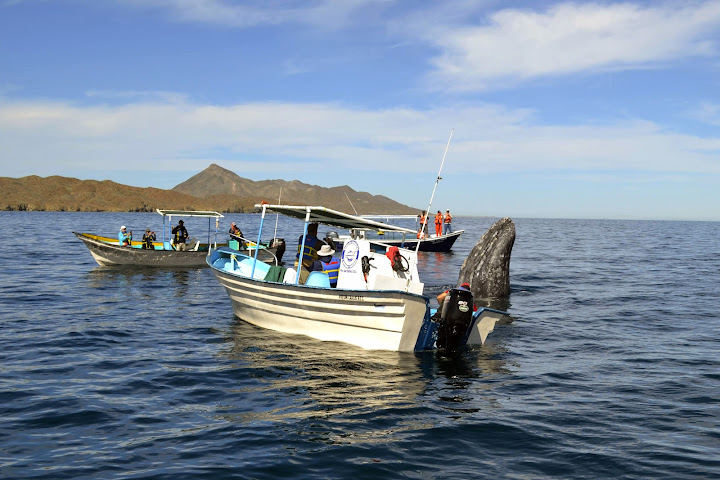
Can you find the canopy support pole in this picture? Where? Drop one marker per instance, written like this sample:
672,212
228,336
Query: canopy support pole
257,247
302,247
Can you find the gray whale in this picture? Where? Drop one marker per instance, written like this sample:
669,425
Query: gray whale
487,267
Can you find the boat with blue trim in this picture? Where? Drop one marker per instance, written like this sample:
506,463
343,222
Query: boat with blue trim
108,251
378,302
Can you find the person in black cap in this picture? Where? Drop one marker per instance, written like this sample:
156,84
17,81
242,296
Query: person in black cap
148,239
181,235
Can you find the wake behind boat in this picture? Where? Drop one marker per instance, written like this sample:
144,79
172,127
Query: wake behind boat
108,251
378,303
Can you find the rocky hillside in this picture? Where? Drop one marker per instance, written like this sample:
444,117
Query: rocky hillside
216,180
215,188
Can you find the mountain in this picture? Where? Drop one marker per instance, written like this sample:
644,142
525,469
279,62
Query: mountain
214,188
216,180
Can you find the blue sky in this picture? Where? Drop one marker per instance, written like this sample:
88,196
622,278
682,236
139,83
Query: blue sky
558,109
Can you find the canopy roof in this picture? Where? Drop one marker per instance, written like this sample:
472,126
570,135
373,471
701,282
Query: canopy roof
327,216
189,213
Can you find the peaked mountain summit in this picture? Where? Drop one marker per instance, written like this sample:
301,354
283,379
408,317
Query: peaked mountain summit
215,180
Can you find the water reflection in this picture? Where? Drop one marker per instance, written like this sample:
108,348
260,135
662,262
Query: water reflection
296,377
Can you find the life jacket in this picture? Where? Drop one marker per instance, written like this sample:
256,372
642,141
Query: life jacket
310,251
396,260
148,241
448,218
181,234
124,238
332,268
438,219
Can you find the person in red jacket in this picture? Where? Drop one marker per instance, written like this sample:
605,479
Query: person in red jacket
438,223
423,232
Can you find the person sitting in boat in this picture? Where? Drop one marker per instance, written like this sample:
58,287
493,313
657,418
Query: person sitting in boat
448,222
328,264
148,239
125,237
181,235
443,295
236,234
312,245
438,223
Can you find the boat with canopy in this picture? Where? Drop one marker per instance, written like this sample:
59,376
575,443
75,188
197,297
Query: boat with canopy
378,303
107,251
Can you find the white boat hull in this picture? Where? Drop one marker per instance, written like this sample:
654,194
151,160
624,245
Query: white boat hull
374,320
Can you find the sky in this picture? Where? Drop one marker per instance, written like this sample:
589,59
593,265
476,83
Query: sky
537,109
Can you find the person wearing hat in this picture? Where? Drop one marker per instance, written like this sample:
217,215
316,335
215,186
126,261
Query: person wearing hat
327,263
448,222
148,239
124,237
463,286
181,235
236,234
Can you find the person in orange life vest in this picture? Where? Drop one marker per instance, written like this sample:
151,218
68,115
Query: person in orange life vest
448,221
443,295
438,223
312,245
423,232
327,263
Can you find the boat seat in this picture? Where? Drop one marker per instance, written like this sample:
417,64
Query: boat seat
318,279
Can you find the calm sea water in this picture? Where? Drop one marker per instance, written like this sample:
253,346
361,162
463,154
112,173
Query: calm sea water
610,368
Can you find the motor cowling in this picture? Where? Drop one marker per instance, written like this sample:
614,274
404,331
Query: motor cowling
280,250
456,319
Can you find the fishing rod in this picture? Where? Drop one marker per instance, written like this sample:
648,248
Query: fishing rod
351,204
427,212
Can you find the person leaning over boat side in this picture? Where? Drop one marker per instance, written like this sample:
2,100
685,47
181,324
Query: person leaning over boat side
124,238
236,232
312,245
443,295
148,239
438,223
448,222
181,235
327,263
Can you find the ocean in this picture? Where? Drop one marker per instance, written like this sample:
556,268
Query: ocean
609,367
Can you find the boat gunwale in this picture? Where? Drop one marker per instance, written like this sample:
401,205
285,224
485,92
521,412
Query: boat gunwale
228,250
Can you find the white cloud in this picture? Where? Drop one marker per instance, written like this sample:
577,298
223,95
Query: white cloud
47,138
326,14
515,45
708,113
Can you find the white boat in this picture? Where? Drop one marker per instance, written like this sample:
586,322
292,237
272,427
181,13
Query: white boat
374,306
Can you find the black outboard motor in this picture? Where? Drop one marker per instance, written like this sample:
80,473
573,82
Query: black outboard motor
456,319
280,244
